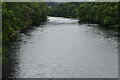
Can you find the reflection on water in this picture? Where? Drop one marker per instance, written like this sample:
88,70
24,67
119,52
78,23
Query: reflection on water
62,48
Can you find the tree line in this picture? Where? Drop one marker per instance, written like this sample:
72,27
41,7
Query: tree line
104,13
17,16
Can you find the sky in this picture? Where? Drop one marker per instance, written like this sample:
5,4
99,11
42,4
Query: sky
59,0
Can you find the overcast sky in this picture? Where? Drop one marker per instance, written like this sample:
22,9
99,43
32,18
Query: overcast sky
58,0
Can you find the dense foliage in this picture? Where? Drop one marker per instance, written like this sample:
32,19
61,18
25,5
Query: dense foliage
104,13
17,16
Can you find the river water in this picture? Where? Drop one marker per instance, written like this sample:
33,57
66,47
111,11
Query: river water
63,48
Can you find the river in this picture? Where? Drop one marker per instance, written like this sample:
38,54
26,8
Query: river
63,48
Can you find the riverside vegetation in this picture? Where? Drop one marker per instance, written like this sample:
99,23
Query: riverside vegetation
104,13
19,16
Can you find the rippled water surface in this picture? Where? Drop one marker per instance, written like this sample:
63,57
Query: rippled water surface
63,48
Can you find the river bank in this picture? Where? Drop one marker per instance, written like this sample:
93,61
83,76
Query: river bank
105,14
16,19
62,48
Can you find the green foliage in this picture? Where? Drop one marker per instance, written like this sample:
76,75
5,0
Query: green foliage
104,13
17,16
64,10
39,13
4,50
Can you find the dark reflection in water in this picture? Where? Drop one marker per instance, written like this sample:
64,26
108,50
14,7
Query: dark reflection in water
62,48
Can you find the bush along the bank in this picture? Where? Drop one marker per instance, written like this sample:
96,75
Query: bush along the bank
17,16
104,13
99,13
